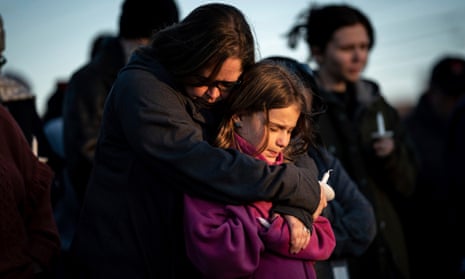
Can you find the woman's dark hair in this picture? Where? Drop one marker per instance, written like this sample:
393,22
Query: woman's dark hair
318,25
206,37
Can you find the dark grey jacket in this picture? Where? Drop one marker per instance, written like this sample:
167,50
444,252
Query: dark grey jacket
150,150
346,129
350,213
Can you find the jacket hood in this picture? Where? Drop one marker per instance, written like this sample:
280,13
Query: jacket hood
142,59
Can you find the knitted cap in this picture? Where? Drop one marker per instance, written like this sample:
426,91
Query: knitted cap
449,76
139,18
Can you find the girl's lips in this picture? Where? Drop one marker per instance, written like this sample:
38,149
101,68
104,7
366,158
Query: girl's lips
273,153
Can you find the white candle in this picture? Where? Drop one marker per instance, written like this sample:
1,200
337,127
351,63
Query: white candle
326,177
328,190
35,147
380,123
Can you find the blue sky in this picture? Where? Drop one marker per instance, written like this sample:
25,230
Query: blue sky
47,40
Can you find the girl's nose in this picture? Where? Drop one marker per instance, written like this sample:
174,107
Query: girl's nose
282,140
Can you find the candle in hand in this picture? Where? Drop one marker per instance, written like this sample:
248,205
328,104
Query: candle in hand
325,177
35,147
381,129
380,122
329,192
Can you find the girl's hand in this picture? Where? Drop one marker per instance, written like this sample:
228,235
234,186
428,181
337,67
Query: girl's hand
300,234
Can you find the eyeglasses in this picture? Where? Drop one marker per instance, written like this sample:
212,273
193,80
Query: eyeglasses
223,86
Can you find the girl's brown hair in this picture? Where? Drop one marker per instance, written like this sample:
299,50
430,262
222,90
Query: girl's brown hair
269,85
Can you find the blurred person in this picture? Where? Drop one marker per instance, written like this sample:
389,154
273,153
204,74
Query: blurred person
350,213
54,108
66,205
454,154
16,96
98,42
29,240
64,201
153,147
361,129
269,119
428,124
89,86
53,116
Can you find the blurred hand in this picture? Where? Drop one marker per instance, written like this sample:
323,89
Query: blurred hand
383,146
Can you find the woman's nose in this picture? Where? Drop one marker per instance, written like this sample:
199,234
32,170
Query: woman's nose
213,93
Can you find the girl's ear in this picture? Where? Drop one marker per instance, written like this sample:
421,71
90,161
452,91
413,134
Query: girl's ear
237,120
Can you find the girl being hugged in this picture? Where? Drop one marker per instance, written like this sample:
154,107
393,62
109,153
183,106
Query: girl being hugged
268,118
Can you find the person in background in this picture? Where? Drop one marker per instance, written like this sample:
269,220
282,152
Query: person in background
53,129
89,86
53,116
98,42
350,213
16,96
428,124
29,240
269,119
153,147
361,129
65,202
454,180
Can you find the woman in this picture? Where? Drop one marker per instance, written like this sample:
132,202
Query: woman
152,148
268,118
362,130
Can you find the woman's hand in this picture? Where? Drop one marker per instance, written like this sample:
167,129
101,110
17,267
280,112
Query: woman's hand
323,203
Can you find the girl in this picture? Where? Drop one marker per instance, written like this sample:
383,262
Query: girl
268,118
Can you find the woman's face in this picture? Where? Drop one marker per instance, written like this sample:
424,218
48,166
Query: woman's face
346,55
219,89
281,123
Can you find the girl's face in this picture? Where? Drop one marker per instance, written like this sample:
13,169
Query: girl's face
281,123
346,55
219,89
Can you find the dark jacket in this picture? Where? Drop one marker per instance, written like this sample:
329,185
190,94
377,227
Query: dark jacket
149,153
83,108
346,129
428,129
455,153
350,214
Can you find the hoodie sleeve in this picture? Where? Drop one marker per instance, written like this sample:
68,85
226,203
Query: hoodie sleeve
320,247
222,241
